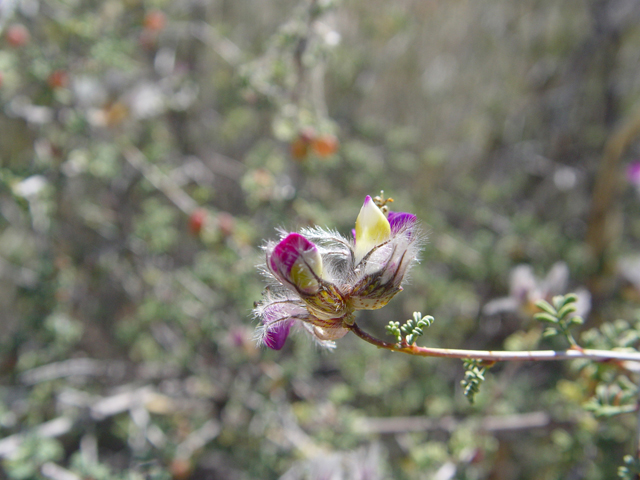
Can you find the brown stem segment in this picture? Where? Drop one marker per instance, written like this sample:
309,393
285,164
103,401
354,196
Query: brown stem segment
499,356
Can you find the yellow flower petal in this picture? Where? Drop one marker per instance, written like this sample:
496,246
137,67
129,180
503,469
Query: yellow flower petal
372,229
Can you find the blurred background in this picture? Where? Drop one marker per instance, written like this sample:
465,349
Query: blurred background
149,147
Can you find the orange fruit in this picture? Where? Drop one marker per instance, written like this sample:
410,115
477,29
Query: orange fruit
155,21
325,145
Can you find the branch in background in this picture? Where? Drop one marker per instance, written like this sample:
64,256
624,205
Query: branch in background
89,367
301,46
224,47
198,439
160,181
607,186
56,472
101,408
51,429
497,423
72,368
225,166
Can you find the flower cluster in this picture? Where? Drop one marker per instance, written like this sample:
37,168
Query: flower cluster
318,279
526,289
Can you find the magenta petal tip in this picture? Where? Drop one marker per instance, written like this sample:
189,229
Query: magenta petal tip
289,249
398,220
277,335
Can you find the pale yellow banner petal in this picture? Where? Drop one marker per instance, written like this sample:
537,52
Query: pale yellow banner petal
372,229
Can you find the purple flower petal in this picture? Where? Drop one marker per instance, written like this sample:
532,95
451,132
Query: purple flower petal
289,250
277,334
633,173
277,318
398,220
297,262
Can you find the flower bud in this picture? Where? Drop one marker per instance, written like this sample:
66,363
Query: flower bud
296,261
372,229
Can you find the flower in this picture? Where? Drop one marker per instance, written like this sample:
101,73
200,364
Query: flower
633,173
318,279
526,289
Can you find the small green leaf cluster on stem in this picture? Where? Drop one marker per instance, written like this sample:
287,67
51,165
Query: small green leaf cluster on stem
474,371
614,399
412,329
560,315
631,468
616,391
619,334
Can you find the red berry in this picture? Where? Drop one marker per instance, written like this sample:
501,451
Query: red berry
17,35
58,79
155,21
197,220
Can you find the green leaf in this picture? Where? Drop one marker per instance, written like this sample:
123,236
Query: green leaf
566,310
545,317
570,298
544,305
558,301
576,320
607,411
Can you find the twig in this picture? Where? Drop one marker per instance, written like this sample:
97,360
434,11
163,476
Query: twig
99,409
224,47
607,186
56,472
198,439
197,288
500,356
72,368
159,180
225,166
493,423
54,428
298,54
121,402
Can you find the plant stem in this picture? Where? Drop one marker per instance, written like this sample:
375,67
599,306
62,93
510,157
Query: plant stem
500,356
